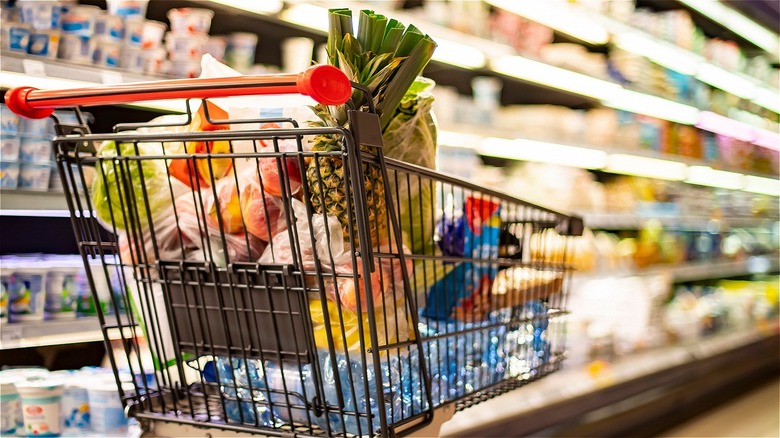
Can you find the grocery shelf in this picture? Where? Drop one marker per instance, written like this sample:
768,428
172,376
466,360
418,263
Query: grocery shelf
478,55
54,332
573,392
20,70
630,221
699,270
33,203
639,42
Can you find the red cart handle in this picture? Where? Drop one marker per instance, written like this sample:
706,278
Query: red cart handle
324,83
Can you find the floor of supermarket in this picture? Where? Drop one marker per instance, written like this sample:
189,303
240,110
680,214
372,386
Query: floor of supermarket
755,414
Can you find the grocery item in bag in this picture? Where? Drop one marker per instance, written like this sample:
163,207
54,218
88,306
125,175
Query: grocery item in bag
464,293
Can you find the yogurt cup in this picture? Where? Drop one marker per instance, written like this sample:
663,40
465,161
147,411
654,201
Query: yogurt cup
36,127
185,47
9,179
76,48
10,409
44,43
16,36
86,302
107,52
9,121
18,374
185,69
41,401
61,293
34,176
216,46
108,25
155,61
134,30
35,149
80,20
40,14
26,293
190,20
107,415
153,34
240,53
9,147
132,59
75,401
127,8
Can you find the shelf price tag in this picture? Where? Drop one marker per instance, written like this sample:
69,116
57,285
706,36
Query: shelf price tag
111,77
10,334
33,67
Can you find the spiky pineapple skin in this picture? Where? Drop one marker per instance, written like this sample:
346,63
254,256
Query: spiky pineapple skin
327,185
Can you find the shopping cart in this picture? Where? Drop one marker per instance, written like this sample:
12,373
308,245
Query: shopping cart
261,285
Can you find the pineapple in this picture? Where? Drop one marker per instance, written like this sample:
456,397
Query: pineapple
325,177
385,57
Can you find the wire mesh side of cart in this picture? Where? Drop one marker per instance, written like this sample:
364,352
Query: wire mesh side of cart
490,278
258,310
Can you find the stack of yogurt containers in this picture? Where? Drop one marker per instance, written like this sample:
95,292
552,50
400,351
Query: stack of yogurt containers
25,152
36,402
186,42
53,287
9,148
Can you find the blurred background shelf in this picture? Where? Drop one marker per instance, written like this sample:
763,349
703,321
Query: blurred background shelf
33,203
699,270
628,221
55,332
631,393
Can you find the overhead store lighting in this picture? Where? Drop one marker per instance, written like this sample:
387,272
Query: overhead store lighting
457,54
543,152
726,81
647,167
458,139
556,16
660,52
718,124
767,139
555,77
737,23
764,186
652,106
264,7
306,15
707,176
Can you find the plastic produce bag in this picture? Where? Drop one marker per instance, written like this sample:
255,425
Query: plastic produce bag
179,236
392,326
411,137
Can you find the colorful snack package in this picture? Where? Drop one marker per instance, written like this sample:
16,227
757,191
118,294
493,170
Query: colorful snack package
464,293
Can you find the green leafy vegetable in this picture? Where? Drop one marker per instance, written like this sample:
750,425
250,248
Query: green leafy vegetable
128,191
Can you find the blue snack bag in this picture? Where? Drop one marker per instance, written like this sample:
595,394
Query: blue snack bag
464,293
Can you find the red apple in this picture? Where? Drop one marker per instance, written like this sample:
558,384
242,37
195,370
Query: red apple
262,213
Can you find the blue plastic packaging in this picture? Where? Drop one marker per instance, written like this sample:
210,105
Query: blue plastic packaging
280,393
462,293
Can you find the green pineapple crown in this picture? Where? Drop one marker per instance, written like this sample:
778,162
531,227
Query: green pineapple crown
385,56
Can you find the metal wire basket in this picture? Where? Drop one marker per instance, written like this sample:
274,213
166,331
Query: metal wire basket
276,288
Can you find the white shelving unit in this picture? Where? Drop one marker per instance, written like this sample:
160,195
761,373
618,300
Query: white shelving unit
628,221
55,332
700,270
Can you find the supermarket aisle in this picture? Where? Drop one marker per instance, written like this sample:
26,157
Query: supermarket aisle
756,414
